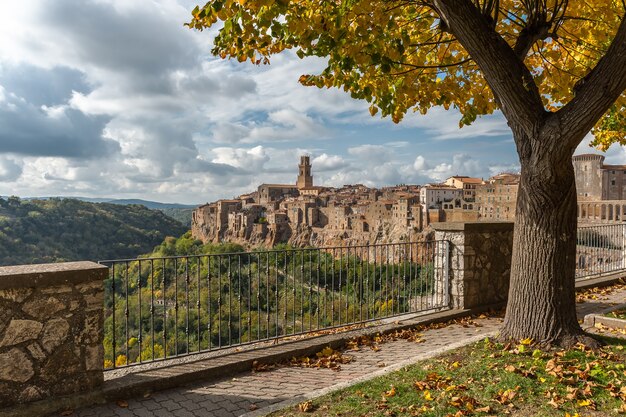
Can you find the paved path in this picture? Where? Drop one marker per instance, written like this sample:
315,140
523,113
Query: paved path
258,391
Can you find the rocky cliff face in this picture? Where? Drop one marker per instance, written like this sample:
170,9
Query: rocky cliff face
305,236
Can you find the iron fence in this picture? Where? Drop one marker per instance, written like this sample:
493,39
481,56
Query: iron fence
158,308
600,250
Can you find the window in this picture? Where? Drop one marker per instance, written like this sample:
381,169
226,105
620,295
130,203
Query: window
612,182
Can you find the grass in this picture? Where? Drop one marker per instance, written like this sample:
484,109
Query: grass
489,379
617,314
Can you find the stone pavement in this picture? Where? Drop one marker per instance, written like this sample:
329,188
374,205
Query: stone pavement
255,393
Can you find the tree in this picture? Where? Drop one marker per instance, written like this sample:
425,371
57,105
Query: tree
556,69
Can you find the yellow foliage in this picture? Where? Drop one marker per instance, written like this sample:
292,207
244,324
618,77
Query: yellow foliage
398,55
120,360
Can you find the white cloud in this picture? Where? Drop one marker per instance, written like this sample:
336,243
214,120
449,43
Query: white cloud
10,168
325,162
376,154
420,163
100,98
251,160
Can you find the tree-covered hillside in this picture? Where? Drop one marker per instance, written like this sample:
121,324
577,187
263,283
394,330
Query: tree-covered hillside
56,230
183,215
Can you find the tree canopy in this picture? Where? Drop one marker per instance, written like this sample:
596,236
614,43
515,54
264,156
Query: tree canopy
555,68
402,55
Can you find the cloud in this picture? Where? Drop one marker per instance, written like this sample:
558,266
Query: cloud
461,164
51,131
325,162
251,160
376,154
117,98
10,169
279,126
420,163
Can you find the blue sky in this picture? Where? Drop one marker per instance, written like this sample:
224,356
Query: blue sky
115,98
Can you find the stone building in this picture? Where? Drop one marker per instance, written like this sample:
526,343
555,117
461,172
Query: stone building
440,196
467,184
597,181
269,193
497,198
303,213
305,179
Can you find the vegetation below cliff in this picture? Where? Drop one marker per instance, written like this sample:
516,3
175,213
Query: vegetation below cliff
167,303
55,230
182,215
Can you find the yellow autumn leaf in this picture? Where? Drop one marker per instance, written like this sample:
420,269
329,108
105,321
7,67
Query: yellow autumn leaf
391,392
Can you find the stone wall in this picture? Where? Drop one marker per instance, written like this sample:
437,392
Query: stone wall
479,263
51,330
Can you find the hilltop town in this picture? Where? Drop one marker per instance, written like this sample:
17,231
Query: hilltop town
305,214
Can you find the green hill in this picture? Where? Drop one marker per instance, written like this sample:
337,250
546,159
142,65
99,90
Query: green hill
55,230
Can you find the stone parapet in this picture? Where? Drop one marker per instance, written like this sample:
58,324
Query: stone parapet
478,266
51,330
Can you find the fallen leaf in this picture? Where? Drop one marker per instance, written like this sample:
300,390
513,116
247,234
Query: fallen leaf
306,407
122,403
391,392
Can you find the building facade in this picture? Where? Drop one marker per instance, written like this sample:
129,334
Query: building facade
597,181
496,199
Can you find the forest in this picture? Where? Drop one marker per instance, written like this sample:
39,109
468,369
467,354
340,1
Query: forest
187,297
64,229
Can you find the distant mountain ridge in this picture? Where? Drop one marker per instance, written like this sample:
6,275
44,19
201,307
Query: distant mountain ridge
155,205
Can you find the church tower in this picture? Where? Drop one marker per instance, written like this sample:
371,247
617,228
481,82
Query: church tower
305,180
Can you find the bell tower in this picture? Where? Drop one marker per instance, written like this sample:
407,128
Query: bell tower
305,179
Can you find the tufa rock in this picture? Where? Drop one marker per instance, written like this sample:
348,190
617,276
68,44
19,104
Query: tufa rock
30,394
54,334
16,295
36,352
15,366
43,308
21,331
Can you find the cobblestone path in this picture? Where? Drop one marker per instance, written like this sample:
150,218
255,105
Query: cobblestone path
256,391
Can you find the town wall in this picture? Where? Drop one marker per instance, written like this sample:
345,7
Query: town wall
51,330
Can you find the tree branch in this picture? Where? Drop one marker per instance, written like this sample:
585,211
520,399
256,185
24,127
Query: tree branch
508,77
597,91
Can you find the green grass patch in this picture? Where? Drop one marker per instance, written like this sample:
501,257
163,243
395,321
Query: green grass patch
490,379
617,314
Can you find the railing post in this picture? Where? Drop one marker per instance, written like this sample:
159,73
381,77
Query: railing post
446,271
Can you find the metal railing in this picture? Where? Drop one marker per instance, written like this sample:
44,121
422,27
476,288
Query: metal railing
600,250
159,308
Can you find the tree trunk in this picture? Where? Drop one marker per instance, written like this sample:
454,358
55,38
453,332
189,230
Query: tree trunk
541,303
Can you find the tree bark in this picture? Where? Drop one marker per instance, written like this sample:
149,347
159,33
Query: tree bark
541,303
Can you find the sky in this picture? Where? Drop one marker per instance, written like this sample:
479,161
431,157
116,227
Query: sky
117,99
